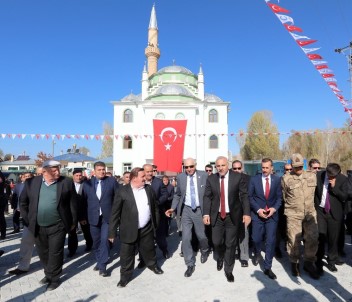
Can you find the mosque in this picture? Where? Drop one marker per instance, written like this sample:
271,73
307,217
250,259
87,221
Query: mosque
170,93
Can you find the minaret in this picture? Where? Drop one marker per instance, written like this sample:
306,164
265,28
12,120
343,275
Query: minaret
201,83
152,51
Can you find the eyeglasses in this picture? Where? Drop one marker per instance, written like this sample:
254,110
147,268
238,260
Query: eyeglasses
191,167
209,170
316,168
155,170
288,169
234,169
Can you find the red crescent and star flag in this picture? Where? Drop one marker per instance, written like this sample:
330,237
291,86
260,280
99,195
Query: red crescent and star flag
169,141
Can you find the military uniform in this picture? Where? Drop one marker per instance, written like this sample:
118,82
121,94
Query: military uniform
298,192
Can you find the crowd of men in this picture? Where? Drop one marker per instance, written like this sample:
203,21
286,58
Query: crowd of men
227,212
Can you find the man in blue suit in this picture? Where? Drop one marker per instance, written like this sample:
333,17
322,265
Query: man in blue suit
265,198
99,193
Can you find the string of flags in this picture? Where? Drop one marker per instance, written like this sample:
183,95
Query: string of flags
315,58
102,137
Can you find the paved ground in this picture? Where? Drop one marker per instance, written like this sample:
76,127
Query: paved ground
80,283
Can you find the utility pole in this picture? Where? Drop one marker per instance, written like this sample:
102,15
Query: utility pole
347,52
53,142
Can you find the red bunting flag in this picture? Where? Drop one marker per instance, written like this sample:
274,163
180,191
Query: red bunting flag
327,75
305,42
277,9
321,66
314,56
168,145
293,28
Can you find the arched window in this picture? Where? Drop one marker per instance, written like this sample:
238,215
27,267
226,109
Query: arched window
213,142
127,142
180,116
160,116
213,116
128,116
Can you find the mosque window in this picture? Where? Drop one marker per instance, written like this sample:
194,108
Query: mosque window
213,142
127,142
127,167
213,116
180,116
160,116
128,116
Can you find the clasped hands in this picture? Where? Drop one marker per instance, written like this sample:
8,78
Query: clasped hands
266,214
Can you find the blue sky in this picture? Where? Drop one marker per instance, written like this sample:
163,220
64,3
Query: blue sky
62,62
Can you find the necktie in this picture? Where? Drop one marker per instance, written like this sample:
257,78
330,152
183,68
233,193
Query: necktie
222,198
267,191
98,192
193,193
327,202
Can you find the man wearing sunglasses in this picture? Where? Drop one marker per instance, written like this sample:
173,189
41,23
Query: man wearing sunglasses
190,192
298,193
314,165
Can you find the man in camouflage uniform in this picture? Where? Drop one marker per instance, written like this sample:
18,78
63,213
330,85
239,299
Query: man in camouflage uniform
298,189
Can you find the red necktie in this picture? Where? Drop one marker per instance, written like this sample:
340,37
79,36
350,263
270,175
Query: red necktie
222,198
267,191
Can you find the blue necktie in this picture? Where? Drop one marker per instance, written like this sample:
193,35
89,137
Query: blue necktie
193,193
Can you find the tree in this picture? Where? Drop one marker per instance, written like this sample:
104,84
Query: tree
7,156
41,157
262,139
84,150
1,153
108,143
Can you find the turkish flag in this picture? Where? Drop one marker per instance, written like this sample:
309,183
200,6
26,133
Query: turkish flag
293,28
277,9
169,140
314,56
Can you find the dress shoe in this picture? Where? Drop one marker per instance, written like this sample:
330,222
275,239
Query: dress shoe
1,252
71,254
166,254
331,267
189,271
244,263
256,260
53,286
278,253
311,269
181,254
122,283
319,269
295,269
219,264
96,268
230,277
204,257
156,270
270,274
103,273
141,264
17,271
15,231
88,249
45,280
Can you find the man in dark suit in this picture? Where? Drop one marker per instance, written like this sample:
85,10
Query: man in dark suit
161,199
136,211
190,192
72,241
3,205
244,234
49,209
226,206
99,193
330,195
265,198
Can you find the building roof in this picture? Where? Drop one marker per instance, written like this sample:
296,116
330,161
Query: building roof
106,160
18,162
172,89
74,157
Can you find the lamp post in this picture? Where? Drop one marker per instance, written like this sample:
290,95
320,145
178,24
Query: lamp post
53,142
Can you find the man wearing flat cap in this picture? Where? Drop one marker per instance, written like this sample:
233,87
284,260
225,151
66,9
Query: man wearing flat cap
49,209
298,189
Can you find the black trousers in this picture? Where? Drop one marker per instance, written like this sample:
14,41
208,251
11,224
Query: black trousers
50,243
225,237
161,231
16,220
145,245
329,229
3,225
72,240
